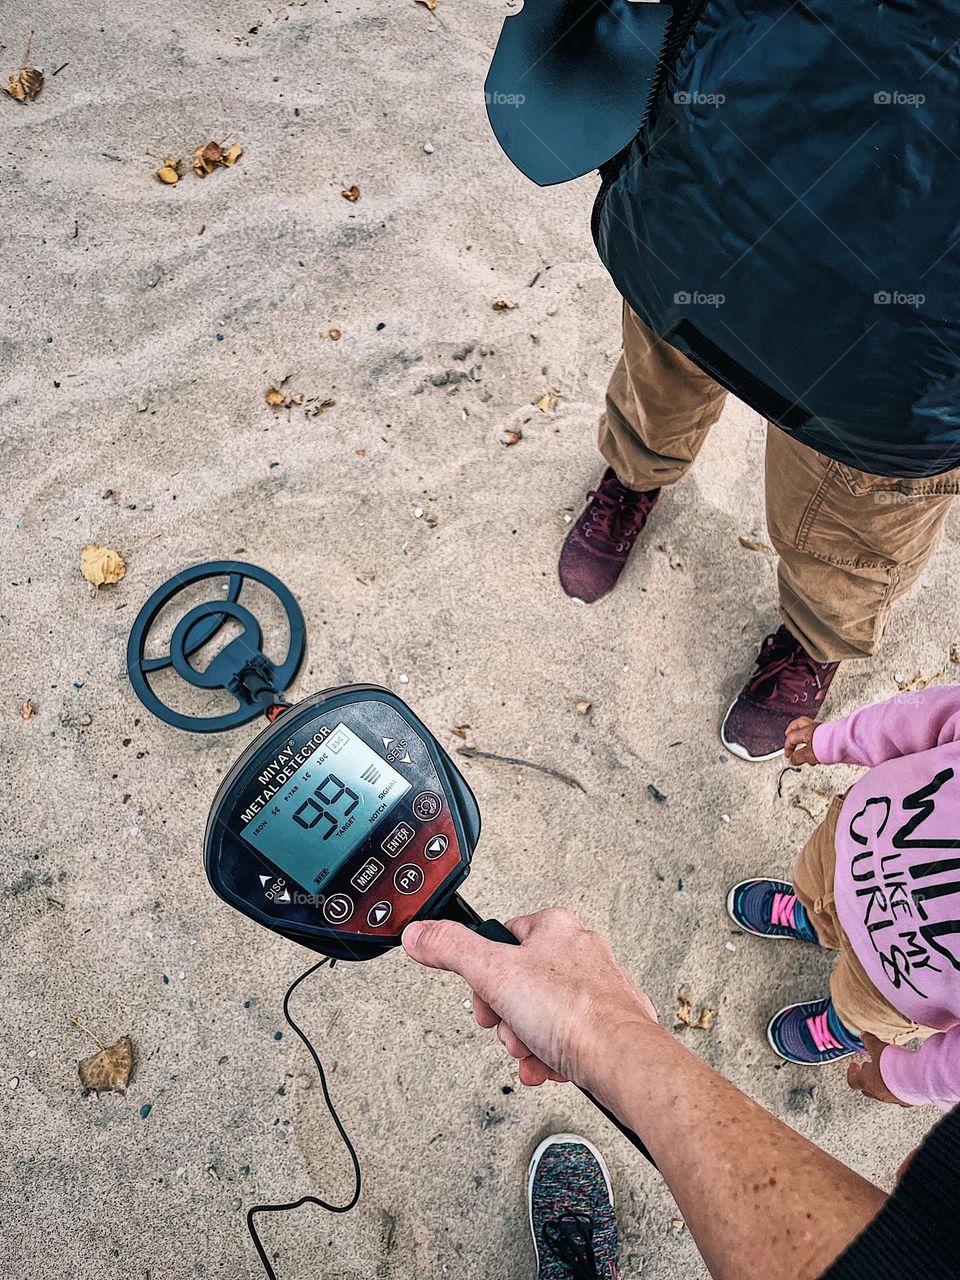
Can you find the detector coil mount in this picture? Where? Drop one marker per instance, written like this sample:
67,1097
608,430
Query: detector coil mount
241,668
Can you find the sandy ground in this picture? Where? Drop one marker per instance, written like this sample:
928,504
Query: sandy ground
144,325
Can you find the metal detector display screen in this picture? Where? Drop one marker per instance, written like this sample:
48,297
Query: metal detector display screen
325,810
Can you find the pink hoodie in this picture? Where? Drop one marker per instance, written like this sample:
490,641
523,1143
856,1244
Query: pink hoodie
897,883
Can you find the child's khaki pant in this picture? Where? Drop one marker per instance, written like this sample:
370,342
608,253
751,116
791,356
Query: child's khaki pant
850,543
860,1005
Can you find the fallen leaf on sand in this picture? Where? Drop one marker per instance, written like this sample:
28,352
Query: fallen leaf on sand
460,730
26,83
275,397
212,155
169,171
334,335
502,304
752,544
109,1069
351,193
511,436
685,1016
955,653
428,4
315,410
583,706
547,403
100,565
28,711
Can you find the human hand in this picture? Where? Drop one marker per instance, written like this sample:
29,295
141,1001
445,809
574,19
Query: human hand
557,1001
863,1074
798,741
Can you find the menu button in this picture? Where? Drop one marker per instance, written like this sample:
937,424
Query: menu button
368,873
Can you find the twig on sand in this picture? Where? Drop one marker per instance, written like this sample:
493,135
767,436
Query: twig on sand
798,804
472,753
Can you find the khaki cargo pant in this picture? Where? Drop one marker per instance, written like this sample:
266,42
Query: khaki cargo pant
849,543
858,1002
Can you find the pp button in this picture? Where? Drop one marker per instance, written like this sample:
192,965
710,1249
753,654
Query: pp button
409,878
338,908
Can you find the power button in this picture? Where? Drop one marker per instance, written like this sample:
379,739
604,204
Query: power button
338,908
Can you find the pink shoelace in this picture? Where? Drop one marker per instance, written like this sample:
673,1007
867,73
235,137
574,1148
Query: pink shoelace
784,909
822,1036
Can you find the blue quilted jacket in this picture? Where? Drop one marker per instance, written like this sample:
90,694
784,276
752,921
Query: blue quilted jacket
789,218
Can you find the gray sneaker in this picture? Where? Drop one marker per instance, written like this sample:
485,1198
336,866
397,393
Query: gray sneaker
571,1211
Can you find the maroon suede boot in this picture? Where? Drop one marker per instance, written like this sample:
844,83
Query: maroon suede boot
597,547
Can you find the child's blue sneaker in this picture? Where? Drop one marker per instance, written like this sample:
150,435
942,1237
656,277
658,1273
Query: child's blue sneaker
770,909
811,1034
571,1211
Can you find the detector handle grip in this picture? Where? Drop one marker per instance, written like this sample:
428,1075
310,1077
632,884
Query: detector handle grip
494,931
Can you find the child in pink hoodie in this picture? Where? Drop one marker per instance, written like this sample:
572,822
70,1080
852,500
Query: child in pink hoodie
879,881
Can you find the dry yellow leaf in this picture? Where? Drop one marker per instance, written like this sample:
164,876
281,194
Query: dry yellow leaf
109,1069
100,565
169,171
351,193
511,436
315,410
583,706
208,157
28,711
501,304
685,1013
335,335
26,83
275,397
429,4
547,403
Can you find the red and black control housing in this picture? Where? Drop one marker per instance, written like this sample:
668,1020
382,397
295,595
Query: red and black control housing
407,867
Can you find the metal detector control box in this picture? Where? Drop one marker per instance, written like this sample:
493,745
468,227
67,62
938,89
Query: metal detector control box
341,823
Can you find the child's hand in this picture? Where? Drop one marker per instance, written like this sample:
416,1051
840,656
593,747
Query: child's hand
798,741
863,1074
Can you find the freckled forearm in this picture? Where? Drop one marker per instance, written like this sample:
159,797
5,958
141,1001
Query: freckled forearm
759,1199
